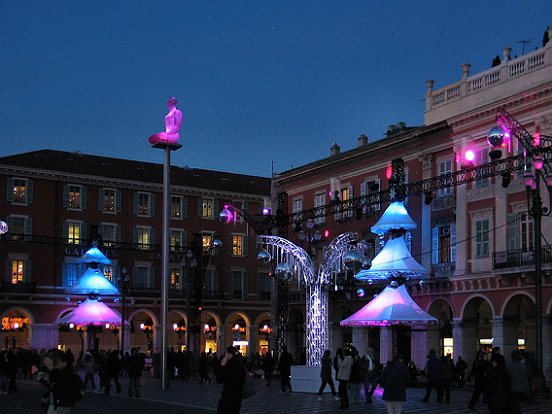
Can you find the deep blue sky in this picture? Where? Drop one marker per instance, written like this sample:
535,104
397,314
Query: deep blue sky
258,81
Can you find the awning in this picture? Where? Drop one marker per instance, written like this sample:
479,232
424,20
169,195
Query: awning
93,282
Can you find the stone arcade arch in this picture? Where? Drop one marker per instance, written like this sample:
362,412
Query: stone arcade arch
441,337
212,333
17,325
144,330
476,326
238,332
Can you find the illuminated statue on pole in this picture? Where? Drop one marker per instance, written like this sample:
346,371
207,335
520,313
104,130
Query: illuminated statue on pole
173,122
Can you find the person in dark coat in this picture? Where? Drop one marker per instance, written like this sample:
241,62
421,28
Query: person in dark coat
284,367
394,379
267,363
135,368
480,374
499,390
326,374
113,365
433,373
518,381
231,374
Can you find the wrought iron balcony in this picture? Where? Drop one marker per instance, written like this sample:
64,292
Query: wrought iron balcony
520,258
443,269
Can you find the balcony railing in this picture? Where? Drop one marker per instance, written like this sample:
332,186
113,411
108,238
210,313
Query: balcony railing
443,269
21,287
520,258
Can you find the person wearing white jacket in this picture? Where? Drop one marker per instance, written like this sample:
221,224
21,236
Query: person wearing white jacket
344,372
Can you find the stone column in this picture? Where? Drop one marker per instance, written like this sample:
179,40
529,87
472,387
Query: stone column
419,347
386,344
360,339
253,335
461,231
504,335
470,340
433,339
44,335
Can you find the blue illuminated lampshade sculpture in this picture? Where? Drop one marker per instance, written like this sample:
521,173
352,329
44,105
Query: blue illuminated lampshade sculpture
394,218
93,281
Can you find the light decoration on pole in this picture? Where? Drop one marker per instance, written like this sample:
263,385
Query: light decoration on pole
536,170
282,251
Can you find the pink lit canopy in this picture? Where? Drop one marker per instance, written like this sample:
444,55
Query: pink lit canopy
393,306
91,312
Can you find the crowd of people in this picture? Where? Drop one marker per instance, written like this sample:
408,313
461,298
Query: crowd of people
500,383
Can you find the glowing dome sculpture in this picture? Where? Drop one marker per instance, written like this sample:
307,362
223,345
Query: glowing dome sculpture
393,306
94,255
395,217
394,260
91,312
93,282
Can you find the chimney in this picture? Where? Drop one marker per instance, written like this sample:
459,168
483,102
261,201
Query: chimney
362,140
334,150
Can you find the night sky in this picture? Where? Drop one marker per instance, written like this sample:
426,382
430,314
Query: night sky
264,85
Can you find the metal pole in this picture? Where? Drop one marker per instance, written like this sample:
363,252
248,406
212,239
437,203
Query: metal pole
165,266
537,215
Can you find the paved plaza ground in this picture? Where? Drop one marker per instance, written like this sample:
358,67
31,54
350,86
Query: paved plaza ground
185,397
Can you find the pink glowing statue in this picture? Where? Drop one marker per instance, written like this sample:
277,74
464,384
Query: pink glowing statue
173,121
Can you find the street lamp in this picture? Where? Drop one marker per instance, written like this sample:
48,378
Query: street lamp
532,178
198,257
123,280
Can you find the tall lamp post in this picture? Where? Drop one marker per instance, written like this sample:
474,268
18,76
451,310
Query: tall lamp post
536,170
123,281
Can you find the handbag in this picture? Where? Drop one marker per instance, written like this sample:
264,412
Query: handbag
249,386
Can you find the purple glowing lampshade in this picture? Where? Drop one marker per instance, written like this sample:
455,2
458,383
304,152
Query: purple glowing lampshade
93,282
393,306
92,312
94,255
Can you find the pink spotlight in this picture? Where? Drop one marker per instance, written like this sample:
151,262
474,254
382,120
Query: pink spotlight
469,155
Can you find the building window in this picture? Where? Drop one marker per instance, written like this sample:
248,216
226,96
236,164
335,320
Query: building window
142,204
211,290
482,157
74,232
445,167
370,204
320,201
142,277
527,232
175,278
237,245
17,271
20,228
238,284
110,234
178,207
443,244
108,272
176,240
345,211
207,240
19,191
482,238
74,197
297,205
143,237
207,207
265,286
108,200
71,272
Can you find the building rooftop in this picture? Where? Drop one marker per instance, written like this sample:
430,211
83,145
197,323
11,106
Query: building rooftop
81,165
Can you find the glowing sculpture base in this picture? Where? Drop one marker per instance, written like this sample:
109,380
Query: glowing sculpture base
172,146
306,379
